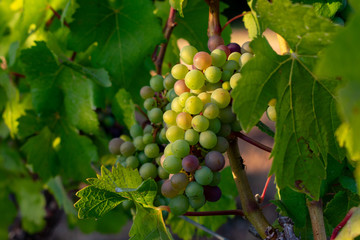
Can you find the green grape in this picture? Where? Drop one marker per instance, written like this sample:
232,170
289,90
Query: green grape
176,106
213,74
221,97
146,92
167,190
226,86
197,202
218,57
271,113
225,130
138,143
226,75
152,150
204,175
200,123
193,105
169,117
114,145
136,130
222,145
148,129
120,160
235,126
174,133
216,179
179,205
202,60
155,115
214,125
187,54
168,106
162,136
234,80
245,58
148,170
180,148
210,87
246,48
143,158
149,103
226,115
148,138
234,56
156,83
179,181
194,189
169,82
192,136
205,97
168,151
126,138
132,162
180,87
172,164
179,71
183,97
127,149
231,66
194,79
171,94
208,139
211,110
162,173
183,120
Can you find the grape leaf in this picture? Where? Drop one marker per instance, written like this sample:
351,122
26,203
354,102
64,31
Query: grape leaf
326,8
57,189
183,229
118,32
351,229
251,21
30,124
124,108
154,227
178,5
10,160
8,213
41,155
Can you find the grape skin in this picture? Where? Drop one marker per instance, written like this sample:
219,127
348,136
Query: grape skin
114,145
148,170
204,176
215,161
190,163
179,205
187,54
208,139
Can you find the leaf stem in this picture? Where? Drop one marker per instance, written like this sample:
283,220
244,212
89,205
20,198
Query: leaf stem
265,129
58,16
169,27
252,141
233,19
237,212
317,219
265,188
214,26
342,224
250,207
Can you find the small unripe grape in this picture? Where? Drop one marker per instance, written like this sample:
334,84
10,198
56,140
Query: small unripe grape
148,129
148,138
155,115
214,125
234,80
191,136
149,103
216,179
138,143
271,113
127,149
114,145
235,56
194,79
180,148
193,105
225,49
218,57
226,75
231,66
171,94
211,110
213,74
179,71
205,97
215,41
183,97
202,60
167,151
200,123
226,115
221,97
174,133
225,130
222,145
187,54
226,86
245,48
212,193
179,205
163,174
146,92
197,202
156,83
190,163
208,139
234,47
169,82
180,87
183,120
194,189
179,181
172,164
176,106
132,162
170,117
143,158
152,150
204,176
215,161
211,87
167,190
245,58
136,130
148,170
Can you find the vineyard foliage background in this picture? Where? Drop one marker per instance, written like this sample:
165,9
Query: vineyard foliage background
70,76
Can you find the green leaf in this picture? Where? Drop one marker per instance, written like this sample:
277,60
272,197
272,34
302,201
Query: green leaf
10,160
124,108
348,183
351,229
31,203
29,124
326,8
41,155
251,21
119,32
183,229
57,189
178,5
148,224
8,213
337,208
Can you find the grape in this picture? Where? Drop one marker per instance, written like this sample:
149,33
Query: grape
211,87
127,148
213,74
179,181
212,193
162,136
171,94
190,163
167,151
183,97
204,176
215,41
271,113
143,158
138,143
148,129
168,106
211,110
226,75
163,174
226,115
191,136
172,164
156,83
245,48
136,130
193,105
174,133
159,201
194,79
338,21
152,150
202,60
225,49
214,125
132,162
179,71
226,86
175,5
180,87
234,80
148,170
149,103
146,92
167,190
215,161
221,97
148,138
179,205
120,159
225,130
208,139
169,82
216,179
183,120
235,126
180,148
155,115
114,145
126,138
200,123
187,54
176,106
194,189
169,117
197,202
205,97
234,47
272,102
231,66
127,204
245,58
218,57
235,56
222,145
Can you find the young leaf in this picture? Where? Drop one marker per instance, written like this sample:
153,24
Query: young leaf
124,108
326,8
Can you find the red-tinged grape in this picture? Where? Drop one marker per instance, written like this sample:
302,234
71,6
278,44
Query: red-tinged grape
179,181
148,170
202,60
183,120
146,92
114,145
194,189
204,175
187,54
190,163
234,47
167,190
127,149
179,205
225,49
156,83
212,193
215,41
180,87
215,161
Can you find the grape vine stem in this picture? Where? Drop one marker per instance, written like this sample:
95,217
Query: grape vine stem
317,219
252,141
141,111
237,212
233,19
214,26
342,224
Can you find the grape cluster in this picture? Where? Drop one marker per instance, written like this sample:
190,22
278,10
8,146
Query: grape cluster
190,118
